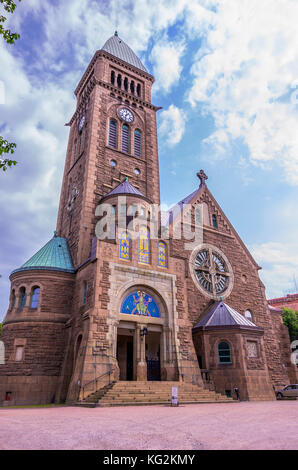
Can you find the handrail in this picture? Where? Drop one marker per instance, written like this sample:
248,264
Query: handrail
108,372
96,379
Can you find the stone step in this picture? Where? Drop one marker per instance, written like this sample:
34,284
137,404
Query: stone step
142,393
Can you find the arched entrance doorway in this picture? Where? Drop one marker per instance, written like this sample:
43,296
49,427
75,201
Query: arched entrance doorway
140,336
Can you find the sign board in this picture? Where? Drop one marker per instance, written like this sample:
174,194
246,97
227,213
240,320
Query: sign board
174,396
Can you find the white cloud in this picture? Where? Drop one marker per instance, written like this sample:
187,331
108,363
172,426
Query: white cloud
172,125
242,74
165,57
280,266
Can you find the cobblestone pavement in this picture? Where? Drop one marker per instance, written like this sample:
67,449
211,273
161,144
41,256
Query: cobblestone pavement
247,425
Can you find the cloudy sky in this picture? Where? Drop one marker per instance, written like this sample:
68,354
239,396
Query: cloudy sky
226,73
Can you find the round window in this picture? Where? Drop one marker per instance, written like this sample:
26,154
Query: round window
113,163
137,171
211,271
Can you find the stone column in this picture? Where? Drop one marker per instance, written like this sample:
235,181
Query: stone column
141,354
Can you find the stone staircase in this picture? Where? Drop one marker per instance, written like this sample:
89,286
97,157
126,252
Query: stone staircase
124,393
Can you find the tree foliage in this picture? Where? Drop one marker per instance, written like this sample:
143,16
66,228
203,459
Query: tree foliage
10,37
290,319
0,329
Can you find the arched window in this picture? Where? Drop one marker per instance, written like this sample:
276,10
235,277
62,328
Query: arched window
248,315
137,143
125,138
132,87
84,292
113,133
162,254
112,77
125,246
35,297
13,299
214,221
125,84
138,89
224,353
119,81
144,245
198,216
23,297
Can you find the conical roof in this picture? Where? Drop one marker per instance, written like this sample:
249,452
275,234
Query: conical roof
222,315
54,256
125,188
118,48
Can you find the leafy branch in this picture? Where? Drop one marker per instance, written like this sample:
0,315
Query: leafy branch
5,146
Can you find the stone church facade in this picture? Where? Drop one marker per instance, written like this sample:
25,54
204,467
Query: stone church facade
106,298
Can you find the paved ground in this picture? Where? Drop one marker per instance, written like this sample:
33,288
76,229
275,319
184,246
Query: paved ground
247,425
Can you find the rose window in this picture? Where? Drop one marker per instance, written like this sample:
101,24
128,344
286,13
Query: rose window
212,271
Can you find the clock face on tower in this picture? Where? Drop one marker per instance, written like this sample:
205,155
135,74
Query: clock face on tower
125,114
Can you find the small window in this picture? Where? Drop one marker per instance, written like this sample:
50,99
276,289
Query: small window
113,133
125,84
198,216
8,396
84,292
132,210
113,163
162,254
19,353
137,143
137,171
143,211
125,246
139,89
248,315
144,245
112,77
23,297
214,221
119,81
125,139
13,299
35,297
224,353
132,87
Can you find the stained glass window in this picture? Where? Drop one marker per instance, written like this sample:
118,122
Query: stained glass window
125,139
113,134
35,297
224,353
137,143
140,303
161,255
125,243
144,245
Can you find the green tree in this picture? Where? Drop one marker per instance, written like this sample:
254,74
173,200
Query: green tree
0,329
6,147
290,319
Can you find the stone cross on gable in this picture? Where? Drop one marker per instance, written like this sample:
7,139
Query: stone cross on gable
202,176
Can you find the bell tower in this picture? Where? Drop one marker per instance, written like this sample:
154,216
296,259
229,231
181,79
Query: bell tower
113,136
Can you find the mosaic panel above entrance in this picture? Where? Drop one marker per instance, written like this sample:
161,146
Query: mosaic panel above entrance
140,303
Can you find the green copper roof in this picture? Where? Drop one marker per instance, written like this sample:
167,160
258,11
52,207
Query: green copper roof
54,256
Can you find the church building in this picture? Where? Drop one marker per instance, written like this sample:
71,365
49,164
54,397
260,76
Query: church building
121,296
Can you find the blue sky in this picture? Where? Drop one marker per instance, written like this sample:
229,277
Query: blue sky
226,74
